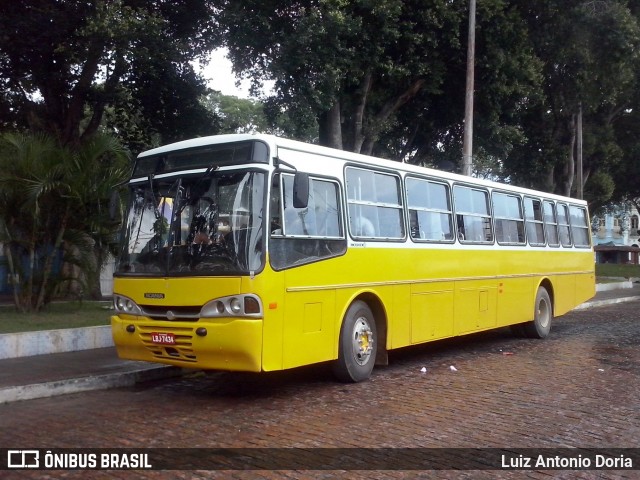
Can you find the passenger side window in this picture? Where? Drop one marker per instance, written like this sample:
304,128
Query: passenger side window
430,213
509,223
473,220
579,226
533,216
321,216
563,225
551,223
374,204
305,235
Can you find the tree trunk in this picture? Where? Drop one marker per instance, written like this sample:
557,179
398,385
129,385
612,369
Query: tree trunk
330,126
48,265
386,111
569,169
27,295
358,122
12,272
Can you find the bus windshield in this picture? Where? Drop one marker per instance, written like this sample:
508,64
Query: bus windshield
205,223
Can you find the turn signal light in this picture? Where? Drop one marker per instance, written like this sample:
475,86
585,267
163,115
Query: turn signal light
251,305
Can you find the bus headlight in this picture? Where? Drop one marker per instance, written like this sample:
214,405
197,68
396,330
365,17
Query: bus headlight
233,306
236,306
123,304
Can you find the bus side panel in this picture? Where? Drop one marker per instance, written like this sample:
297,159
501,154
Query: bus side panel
309,334
475,305
399,318
271,286
585,287
515,304
431,311
564,293
308,330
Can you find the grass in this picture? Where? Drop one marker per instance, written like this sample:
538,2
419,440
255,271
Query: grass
617,270
55,316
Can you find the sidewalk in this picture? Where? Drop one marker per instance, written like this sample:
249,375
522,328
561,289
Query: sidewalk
39,376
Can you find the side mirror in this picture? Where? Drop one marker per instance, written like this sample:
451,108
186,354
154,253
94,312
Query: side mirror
301,190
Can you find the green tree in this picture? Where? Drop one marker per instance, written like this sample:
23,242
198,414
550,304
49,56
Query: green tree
625,174
54,208
245,115
237,115
589,52
508,76
64,63
387,77
353,65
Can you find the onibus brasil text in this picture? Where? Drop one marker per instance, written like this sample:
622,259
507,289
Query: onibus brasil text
80,461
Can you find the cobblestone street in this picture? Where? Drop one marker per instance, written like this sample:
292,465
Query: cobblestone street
578,388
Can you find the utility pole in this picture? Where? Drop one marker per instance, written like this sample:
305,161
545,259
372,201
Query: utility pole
579,153
467,143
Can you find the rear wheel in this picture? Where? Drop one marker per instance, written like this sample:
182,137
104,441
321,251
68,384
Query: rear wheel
542,318
357,347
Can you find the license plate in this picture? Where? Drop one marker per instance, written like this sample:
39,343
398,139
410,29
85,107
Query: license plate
163,338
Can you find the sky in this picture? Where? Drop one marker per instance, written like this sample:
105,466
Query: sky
220,76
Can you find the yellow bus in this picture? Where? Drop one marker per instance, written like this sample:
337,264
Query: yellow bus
257,253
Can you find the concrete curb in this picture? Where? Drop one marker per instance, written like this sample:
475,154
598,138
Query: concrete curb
607,287
611,301
84,384
26,344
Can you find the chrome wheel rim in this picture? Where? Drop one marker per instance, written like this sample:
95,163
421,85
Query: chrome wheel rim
543,314
362,341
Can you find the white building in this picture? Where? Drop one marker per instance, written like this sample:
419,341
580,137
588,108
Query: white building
615,235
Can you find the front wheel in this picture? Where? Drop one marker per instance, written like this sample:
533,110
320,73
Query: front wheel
357,344
543,315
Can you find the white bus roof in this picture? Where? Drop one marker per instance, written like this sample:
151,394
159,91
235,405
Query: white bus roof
343,155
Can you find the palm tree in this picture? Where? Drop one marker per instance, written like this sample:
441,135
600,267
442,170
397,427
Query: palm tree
51,203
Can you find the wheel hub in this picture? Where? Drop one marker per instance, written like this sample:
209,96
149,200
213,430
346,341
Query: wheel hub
362,341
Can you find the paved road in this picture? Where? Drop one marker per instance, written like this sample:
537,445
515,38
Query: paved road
578,388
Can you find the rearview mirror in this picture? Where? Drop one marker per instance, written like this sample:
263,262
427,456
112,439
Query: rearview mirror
301,190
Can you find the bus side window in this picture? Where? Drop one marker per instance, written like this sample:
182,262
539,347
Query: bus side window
374,204
275,206
472,214
535,227
305,234
579,226
509,222
429,210
551,223
563,225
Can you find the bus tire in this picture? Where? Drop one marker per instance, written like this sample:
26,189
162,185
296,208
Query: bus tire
540,326
357,344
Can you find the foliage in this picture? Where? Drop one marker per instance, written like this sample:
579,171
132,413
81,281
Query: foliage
599,190
64,64
54,209
242,115
353,65
387,77
589,51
